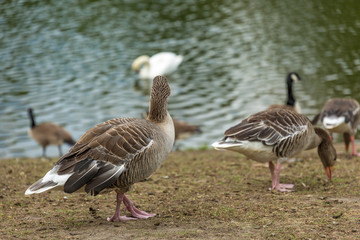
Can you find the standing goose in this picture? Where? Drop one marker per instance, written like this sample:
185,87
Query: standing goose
276,135
341,115
116,154
48,134
163,63
291,104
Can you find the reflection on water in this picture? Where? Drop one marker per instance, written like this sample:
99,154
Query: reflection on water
71,61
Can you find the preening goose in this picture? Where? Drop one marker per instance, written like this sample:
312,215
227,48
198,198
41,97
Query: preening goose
291,104
163,63
48,134
276,135
341,115
116,154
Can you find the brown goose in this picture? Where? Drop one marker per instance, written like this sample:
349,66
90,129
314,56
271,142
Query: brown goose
341,115
291,104
116,154
182,129
276,135
48,134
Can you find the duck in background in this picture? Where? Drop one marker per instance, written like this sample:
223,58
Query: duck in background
48,134
276,135
291,104
183,129
116,154
163,63
341,115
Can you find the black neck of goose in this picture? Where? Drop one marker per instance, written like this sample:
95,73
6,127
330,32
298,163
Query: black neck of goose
291,100
32,119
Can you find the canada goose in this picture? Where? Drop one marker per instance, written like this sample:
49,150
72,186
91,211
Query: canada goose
291,104
116,154
276,135
182,129
341,115
163,63
48,134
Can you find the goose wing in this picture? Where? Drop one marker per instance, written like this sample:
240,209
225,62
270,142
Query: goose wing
341,110
103,153
271,127
347,108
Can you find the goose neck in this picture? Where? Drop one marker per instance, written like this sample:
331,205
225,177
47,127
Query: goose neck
32,119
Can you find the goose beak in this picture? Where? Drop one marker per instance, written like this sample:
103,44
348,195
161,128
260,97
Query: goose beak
328,171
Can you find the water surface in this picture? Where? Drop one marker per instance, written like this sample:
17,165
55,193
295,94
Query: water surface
71,61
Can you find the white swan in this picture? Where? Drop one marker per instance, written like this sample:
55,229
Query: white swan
163,63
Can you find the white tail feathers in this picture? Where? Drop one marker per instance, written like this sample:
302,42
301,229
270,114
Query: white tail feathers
223,145
333,122
49,181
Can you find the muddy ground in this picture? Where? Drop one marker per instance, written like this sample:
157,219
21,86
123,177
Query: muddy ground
201,194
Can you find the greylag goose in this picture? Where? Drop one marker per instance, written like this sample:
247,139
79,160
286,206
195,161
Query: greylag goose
116,154
341,115
48,134
291,104
163,63
182,129
276,135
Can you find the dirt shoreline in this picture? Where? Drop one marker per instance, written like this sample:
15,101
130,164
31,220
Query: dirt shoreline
202,194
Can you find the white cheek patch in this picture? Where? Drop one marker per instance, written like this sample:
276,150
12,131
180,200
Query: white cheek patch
294,77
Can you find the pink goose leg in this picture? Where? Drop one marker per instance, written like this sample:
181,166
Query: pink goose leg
279,186
134,211
354,153
273,180
116,217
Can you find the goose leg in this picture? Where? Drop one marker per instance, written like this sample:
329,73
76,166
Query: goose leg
116,217
60,152
273,181
134,211
354,153
44,151
279,186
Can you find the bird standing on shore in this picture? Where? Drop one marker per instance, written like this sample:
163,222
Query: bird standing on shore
48,134
341,115
116,154
275,135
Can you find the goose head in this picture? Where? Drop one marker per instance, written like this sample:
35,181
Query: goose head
326,151
160,92
139,62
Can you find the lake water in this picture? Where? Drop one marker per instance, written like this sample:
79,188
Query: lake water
71,61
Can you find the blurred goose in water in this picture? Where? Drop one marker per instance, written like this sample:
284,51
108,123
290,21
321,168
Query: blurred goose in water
48,134
276,135
182,129
291,104
163,63
341,115
116,154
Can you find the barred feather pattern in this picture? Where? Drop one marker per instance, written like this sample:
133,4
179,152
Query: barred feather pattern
119,142
280,128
